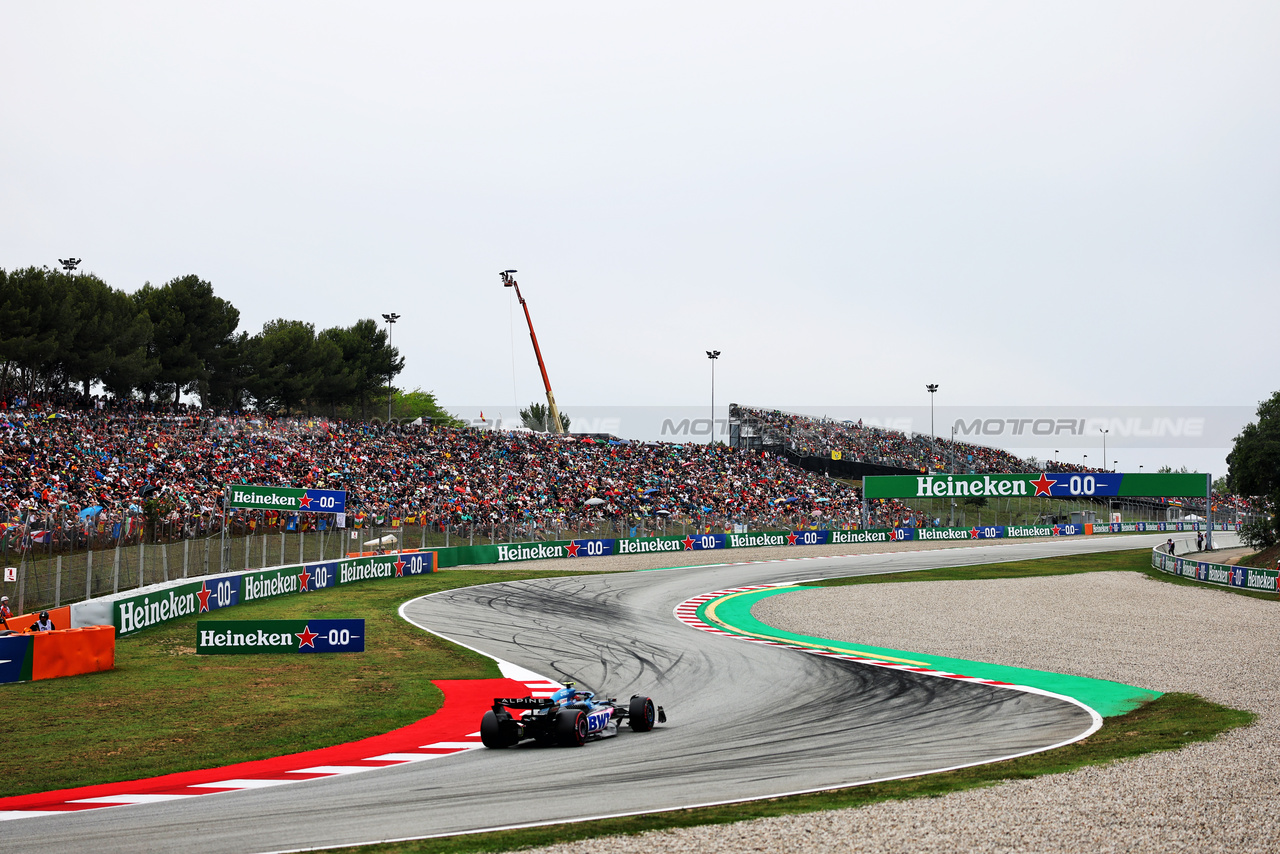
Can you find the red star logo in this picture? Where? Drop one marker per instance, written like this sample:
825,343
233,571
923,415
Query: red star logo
1056,529
791,538
399,565
688,544
893,534
973,534
204,593
304,503
303,578
572,548
307,638
1042,485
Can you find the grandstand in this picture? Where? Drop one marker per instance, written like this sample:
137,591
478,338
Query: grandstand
73,479
810,442
98,479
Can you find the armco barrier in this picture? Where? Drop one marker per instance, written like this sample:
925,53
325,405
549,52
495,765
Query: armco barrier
139,609
63,652
136,610
1225,575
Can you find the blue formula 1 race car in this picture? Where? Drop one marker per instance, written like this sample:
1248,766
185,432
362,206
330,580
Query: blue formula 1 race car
568,717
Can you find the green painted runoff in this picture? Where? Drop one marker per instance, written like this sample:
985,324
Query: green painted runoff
1106,698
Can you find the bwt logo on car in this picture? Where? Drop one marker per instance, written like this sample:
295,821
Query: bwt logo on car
597,721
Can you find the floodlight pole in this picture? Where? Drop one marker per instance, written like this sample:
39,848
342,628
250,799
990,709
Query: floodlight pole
1208,512
713,355
391,324
508,281
1104,447
932,388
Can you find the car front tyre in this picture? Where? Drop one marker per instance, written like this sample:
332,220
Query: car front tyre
641,714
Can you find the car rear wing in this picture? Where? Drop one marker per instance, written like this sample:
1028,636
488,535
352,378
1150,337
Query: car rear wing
523,702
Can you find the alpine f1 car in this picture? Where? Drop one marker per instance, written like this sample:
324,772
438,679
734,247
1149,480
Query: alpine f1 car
568,717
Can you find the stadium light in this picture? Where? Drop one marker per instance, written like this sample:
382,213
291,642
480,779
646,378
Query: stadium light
932,388
1104,447
713,355
69,264
391,323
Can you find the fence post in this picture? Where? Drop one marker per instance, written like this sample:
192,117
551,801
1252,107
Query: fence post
22,585
142,555
248,548
302,542
206,555
164,561
88,575
264,549
115,584
186,556
57,584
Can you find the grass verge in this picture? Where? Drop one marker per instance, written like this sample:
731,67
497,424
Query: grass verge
1135,560
165,709
1167,723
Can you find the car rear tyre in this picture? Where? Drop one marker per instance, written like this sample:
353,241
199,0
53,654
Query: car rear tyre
571,727
498,731
641,714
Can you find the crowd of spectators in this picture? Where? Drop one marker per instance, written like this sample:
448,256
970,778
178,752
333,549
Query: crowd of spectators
71,476
103,476
820,436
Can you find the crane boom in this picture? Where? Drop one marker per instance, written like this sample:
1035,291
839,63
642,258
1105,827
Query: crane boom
508,281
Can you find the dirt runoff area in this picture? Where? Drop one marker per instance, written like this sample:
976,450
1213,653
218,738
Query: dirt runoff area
1218,796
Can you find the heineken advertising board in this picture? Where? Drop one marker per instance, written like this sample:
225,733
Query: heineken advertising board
1033,485
134,613
239,637
1244,577
286,498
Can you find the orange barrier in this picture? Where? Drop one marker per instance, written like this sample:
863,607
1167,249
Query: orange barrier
383,554
68,652
60,617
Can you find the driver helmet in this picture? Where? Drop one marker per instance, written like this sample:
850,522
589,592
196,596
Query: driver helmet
44,615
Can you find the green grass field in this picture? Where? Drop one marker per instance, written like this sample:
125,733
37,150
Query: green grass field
166,709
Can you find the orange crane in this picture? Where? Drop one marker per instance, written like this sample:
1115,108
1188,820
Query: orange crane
509,282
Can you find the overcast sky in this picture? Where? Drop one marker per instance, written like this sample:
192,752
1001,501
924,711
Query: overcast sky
1028,203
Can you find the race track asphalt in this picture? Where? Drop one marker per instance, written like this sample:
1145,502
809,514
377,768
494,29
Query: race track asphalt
745,720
